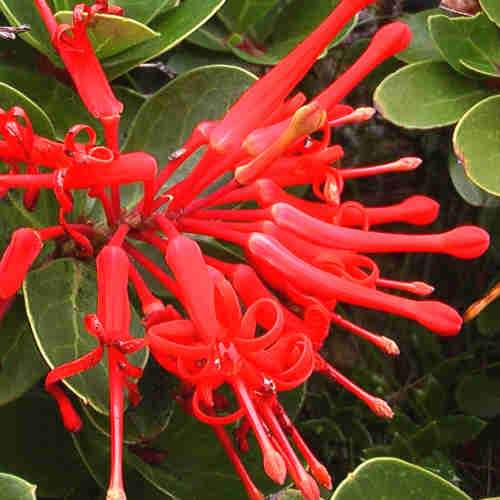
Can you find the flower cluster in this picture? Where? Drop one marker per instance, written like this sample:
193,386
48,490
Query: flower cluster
255,328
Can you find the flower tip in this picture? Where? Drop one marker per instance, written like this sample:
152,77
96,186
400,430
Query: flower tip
322,476
71,420
381,408
275,467
438,317
394,37
116,494
466,242
389,346
308,119
421,210
421,288
309,488
410,163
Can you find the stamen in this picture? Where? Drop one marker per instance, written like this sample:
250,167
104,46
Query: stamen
357,116
401,165
273,462
387,345
376,405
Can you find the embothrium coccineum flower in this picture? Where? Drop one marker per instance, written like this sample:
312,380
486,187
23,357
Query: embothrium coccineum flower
257,327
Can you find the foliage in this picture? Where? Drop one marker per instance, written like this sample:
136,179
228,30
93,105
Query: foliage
452,77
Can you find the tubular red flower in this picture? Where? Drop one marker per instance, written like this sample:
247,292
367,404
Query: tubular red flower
24,247
74,47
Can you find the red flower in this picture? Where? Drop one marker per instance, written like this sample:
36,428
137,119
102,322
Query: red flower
24,247
311,252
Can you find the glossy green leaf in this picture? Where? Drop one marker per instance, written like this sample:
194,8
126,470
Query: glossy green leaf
37,447
58,296
201,94
469,191
10,96
15,215
212,36
422,47
12,487
20,12
492,9
21,365
173,26
297,20
477,144
111,35
239,15
479,395
132,102
427,95
188,57
393,479
470,44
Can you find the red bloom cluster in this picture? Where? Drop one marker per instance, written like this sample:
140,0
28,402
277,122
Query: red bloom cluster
255,328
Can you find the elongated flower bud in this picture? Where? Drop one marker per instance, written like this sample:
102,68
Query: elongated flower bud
113,308
24,247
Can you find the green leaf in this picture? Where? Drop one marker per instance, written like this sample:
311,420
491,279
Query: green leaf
132,102
212,36
291,495
479,395
432,397
201,94
21,365
111,35
239,15
471,45
58,296
393,479
187,57
426,95
492,9
477,144
20,12
469,191
12,487
422,46
446,432
173,26
292,25
37,447
10,96
15,215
